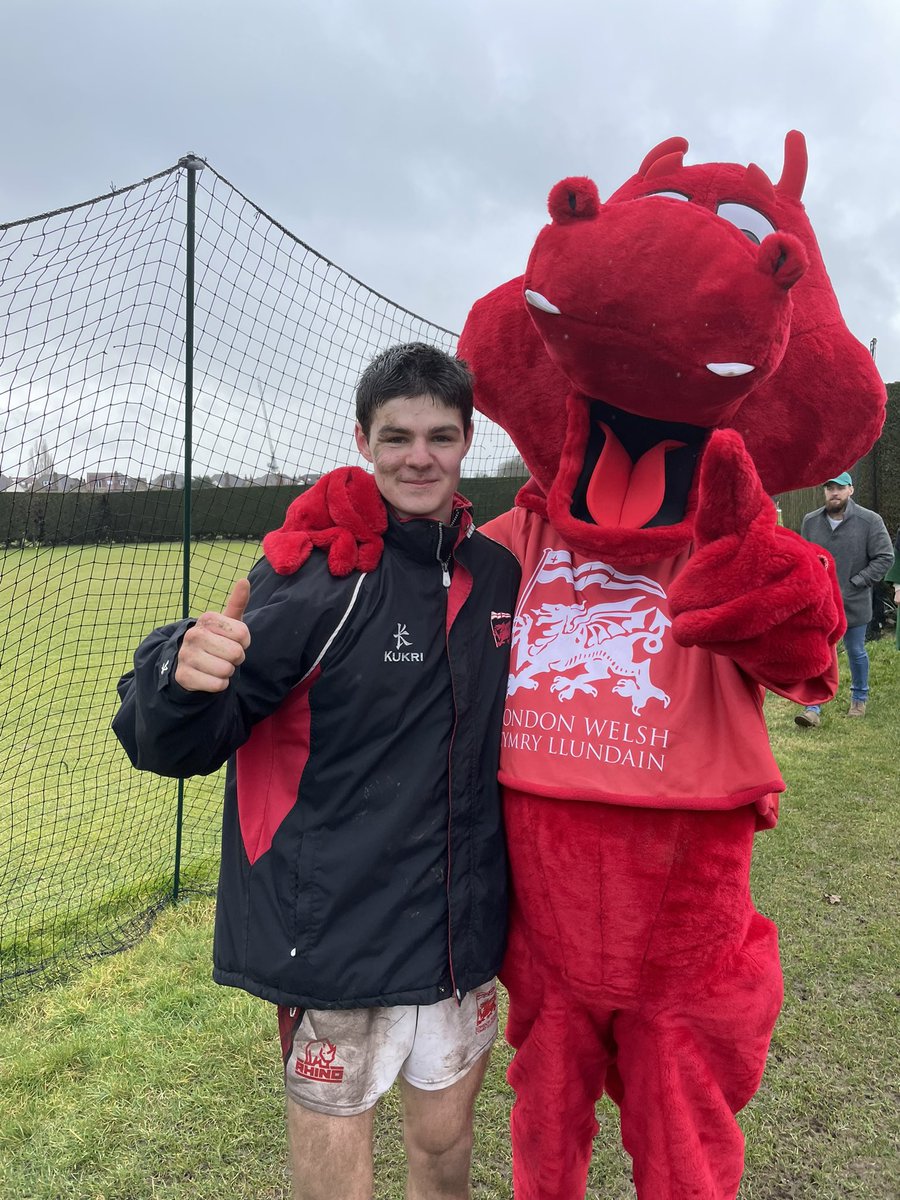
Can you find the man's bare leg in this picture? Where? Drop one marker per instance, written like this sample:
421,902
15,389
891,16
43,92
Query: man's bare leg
437,1131
331,1157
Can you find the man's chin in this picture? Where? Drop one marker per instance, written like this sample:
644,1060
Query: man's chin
425,506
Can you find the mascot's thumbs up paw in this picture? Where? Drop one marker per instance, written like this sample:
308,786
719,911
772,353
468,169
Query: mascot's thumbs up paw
753,591
344,513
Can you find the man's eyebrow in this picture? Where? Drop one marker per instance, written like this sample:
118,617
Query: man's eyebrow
392,430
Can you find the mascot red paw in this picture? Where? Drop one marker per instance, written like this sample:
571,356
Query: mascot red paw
754,591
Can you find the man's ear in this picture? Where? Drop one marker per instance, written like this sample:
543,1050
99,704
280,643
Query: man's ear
469,438
362,443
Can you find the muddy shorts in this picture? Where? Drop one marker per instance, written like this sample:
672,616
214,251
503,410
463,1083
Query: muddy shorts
339,1061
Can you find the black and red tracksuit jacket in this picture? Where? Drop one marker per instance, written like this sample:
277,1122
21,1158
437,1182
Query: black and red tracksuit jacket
363,859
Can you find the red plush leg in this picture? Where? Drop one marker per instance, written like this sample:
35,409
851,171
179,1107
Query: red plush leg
641,902
753,591
558,1075
686,1070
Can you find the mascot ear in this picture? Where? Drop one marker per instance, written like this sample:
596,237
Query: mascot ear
574,199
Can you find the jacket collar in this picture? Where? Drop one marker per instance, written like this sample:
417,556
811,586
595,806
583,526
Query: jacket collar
426,540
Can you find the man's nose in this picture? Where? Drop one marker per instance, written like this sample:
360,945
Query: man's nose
419,453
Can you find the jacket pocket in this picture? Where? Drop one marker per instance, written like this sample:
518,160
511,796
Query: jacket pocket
307,896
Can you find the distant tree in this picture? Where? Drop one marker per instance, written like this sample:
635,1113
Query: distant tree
513,467
41,458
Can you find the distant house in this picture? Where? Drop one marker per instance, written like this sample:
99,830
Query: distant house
170,482
5,482
49,481
227,480
273,479
106,481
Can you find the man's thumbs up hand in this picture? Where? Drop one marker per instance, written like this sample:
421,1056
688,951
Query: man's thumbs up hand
212,649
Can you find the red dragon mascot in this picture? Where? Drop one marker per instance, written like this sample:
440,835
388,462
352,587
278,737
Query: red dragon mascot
670,359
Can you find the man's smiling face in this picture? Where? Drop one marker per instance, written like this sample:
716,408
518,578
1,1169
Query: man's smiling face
416,446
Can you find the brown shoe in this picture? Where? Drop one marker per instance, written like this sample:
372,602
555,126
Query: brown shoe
808,719
857,709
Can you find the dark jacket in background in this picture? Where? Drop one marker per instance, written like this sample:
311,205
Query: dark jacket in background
861,548
363,859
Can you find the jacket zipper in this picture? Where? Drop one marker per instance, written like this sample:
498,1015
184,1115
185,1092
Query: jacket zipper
444,563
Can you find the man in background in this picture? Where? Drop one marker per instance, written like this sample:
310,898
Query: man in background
860,545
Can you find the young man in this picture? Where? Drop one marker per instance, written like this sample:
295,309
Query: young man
859,542
363,877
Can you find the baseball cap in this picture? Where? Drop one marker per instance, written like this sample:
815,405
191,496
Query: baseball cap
843,480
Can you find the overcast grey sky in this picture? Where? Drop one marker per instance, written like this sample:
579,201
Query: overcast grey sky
414,143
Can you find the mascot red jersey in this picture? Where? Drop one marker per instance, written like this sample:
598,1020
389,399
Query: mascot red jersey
669,359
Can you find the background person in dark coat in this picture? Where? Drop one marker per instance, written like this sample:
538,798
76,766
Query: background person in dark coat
860,545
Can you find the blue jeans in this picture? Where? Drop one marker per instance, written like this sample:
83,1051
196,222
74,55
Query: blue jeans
855,645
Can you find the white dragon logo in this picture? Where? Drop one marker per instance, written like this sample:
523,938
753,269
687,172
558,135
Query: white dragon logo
597,640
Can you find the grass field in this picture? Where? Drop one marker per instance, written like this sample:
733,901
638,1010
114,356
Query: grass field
88,845
139,1078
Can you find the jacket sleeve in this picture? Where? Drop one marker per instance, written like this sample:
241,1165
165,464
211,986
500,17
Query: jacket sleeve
170,731
879,552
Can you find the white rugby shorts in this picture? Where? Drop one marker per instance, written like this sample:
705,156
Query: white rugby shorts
340,1061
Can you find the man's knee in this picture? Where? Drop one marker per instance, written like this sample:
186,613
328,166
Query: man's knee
438,1125
439,1161
437,1145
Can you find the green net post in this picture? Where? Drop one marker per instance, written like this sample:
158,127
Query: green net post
192,165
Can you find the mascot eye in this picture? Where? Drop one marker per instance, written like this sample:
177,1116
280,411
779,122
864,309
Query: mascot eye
748,220
665,195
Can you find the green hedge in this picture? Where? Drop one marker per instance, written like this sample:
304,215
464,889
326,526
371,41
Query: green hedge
887,464
158,516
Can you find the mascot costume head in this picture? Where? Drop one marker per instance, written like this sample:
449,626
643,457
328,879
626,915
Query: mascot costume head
694,300
669,360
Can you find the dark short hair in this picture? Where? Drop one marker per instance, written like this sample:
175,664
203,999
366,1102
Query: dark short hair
414,369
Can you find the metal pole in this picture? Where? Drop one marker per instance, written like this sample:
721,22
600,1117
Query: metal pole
192,165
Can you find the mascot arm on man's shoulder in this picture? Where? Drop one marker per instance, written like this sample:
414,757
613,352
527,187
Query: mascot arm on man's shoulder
343,513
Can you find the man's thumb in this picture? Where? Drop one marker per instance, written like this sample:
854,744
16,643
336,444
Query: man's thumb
238,600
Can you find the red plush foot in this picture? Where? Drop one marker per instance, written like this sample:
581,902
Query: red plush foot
343,512
753,591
